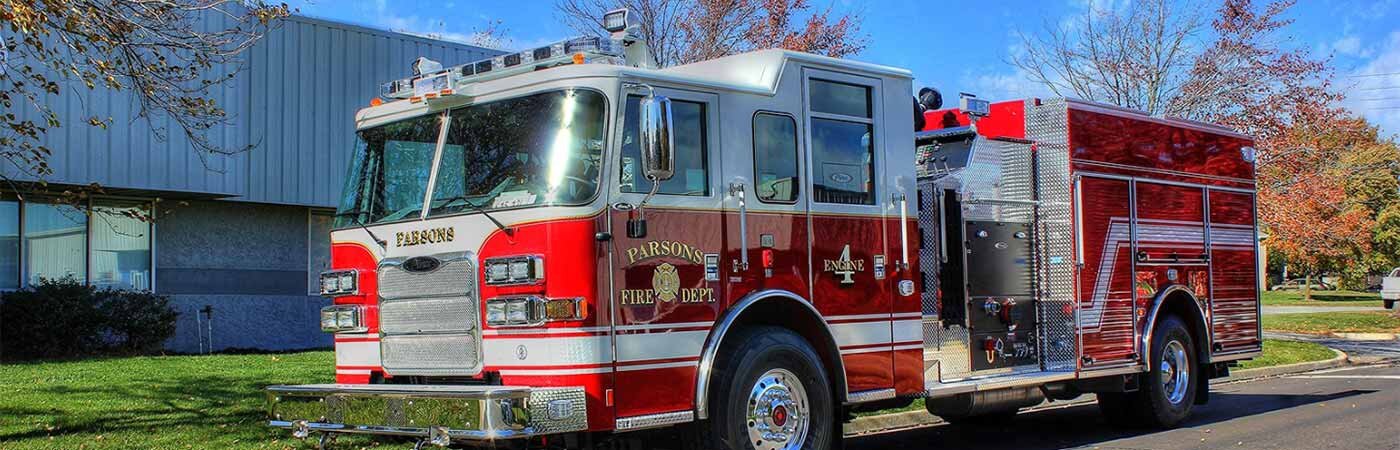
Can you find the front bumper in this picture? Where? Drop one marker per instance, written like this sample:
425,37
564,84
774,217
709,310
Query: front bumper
442,414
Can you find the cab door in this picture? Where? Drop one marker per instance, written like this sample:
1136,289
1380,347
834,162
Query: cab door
664,299
847,237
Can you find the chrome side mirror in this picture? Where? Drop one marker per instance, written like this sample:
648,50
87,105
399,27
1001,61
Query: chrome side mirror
658,162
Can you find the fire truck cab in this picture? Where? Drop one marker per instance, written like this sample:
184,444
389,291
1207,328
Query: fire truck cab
569,242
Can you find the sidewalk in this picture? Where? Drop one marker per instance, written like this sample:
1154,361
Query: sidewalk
1270,310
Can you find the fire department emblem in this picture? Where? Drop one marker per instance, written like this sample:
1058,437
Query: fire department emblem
666,282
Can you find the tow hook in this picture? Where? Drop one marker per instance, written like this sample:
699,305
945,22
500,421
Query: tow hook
437,437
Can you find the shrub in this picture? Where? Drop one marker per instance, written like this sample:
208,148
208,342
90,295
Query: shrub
138,321
65,318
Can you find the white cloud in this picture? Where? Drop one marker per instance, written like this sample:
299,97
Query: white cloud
1351,46
1373,89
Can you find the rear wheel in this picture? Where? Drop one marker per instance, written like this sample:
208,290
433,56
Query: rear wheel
1168,388
771,394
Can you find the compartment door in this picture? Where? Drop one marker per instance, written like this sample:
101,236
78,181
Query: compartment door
1234,272
1106,279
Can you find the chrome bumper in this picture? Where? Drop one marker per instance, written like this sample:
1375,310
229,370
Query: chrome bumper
441,414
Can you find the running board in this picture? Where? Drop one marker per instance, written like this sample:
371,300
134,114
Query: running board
992,383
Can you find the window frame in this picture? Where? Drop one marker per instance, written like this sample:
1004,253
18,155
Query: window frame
706,111
313,288
22,249
796,155
873,86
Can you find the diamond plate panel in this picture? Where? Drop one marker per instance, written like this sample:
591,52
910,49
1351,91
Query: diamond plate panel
996,185
558,410
1046,125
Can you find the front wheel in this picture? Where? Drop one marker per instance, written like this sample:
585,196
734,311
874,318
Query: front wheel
771,394
1168,389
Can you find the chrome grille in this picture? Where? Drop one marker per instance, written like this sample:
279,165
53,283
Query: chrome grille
427,315
430,354
429,320
456,276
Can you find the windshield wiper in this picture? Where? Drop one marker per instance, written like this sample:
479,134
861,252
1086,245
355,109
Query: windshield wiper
475,207
383,244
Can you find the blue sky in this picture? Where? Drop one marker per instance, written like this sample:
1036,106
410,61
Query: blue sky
954,46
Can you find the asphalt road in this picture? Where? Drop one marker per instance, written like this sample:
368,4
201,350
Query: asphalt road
1348,408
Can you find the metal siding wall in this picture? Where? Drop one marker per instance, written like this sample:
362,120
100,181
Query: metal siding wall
310,78
296,99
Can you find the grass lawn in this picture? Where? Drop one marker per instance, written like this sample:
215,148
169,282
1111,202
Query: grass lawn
1321,298
183,402
1278,353
1334,322
168,402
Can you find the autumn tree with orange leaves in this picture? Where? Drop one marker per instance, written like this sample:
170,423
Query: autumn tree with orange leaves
685,31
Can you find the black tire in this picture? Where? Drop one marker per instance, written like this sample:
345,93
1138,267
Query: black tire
755,353
1156,405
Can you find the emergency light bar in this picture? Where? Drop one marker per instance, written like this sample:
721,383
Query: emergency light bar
445,82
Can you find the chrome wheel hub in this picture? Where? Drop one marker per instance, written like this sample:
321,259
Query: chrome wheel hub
777,412
1176,372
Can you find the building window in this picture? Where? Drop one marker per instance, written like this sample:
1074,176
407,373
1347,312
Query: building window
775,158
318,248
108,247
692,161
9,245
121,246
55,242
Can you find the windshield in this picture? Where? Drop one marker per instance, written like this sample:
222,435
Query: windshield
542,149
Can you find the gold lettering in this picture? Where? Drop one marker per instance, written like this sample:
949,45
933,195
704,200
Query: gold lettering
632,256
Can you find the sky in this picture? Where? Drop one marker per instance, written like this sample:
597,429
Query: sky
955,46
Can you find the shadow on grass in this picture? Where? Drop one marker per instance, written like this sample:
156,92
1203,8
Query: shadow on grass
196,408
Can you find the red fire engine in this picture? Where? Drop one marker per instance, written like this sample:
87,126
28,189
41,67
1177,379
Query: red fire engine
569,244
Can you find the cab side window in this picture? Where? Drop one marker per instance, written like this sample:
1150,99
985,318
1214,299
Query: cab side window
692,175
775,158
843,133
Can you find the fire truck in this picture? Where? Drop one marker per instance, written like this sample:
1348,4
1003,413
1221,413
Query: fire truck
568,245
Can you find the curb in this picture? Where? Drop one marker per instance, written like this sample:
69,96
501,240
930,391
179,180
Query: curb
915,419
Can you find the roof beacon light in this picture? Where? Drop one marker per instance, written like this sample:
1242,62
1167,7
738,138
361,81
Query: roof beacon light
431,81
615,21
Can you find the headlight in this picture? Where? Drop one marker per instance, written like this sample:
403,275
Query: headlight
496,313
532,311
343,319
514,270
336,283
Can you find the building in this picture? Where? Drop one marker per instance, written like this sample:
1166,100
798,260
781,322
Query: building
237,241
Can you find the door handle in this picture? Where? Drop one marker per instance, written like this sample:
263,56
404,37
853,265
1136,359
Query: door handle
736,189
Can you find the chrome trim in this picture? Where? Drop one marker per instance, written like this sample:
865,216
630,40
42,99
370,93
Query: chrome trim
535,311
712,344
736,189
320,284
1236,356
1111,371
536,260
359,310
870,396
978,384
1145,342
653,420
1161,181
485,412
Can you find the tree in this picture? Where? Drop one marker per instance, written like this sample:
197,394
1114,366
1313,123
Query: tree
680,31
167,54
